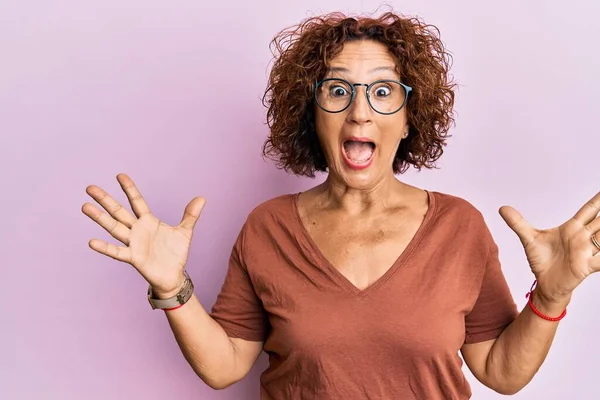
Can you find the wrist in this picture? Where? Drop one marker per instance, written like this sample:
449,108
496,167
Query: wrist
173,298
550,306
168,293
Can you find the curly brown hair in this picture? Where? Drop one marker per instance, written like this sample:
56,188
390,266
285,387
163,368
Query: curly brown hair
302,53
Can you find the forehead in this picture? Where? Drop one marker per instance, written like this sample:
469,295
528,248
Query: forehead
363,57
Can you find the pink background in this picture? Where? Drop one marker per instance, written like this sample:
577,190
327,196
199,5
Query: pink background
169,92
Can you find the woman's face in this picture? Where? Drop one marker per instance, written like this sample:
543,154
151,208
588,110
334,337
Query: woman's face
359,143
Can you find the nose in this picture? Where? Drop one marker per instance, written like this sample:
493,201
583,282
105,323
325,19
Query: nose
360,110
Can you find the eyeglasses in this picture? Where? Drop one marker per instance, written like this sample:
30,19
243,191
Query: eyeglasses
385,96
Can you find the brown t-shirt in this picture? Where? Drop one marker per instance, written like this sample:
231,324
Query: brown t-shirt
397,339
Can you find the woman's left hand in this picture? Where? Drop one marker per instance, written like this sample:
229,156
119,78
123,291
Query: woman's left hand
562,257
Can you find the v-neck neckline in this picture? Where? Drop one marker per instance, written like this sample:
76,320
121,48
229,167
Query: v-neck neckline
341,279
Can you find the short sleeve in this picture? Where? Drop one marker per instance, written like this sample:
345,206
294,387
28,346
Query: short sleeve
237,308
494,308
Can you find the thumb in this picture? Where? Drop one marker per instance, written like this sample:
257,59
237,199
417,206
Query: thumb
192,213
518,224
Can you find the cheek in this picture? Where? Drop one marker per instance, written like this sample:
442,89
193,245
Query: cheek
328,127
392,133
395,127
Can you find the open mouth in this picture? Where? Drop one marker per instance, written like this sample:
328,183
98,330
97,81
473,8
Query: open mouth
359,152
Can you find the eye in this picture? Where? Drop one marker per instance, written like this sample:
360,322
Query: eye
383,91
338,91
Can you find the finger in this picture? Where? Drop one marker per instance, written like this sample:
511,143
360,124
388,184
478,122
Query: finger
518,224
138,204
120,253
116,210
192,213
595,242
114,227
595,262
594,225
589,211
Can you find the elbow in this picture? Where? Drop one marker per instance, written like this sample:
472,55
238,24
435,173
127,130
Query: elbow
507,391
217,384
216,378
505,381
505,387
217,381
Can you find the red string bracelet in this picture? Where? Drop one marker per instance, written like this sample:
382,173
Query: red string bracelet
537,312
173,308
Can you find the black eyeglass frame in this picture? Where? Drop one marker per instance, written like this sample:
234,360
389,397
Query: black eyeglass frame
407,90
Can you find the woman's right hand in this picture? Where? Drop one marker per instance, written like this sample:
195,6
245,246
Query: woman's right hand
156,250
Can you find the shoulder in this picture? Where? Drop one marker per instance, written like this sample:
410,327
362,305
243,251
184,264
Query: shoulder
270,227
455,207
271,218
456,217
276,208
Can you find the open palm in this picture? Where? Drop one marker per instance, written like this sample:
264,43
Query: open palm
561,257
156,250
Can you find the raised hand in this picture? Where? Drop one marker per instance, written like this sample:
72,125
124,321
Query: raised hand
561,257
156,250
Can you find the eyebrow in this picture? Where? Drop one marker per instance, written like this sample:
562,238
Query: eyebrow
378,69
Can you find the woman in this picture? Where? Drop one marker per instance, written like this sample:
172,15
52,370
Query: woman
363,286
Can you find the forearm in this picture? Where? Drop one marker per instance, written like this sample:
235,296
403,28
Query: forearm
519,352
204,344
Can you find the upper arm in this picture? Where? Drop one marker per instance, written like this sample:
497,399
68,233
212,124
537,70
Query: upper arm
239,311
476,356
246,354
493,310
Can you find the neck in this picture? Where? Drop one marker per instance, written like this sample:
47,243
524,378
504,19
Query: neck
381,195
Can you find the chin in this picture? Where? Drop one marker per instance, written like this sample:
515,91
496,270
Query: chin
365,179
